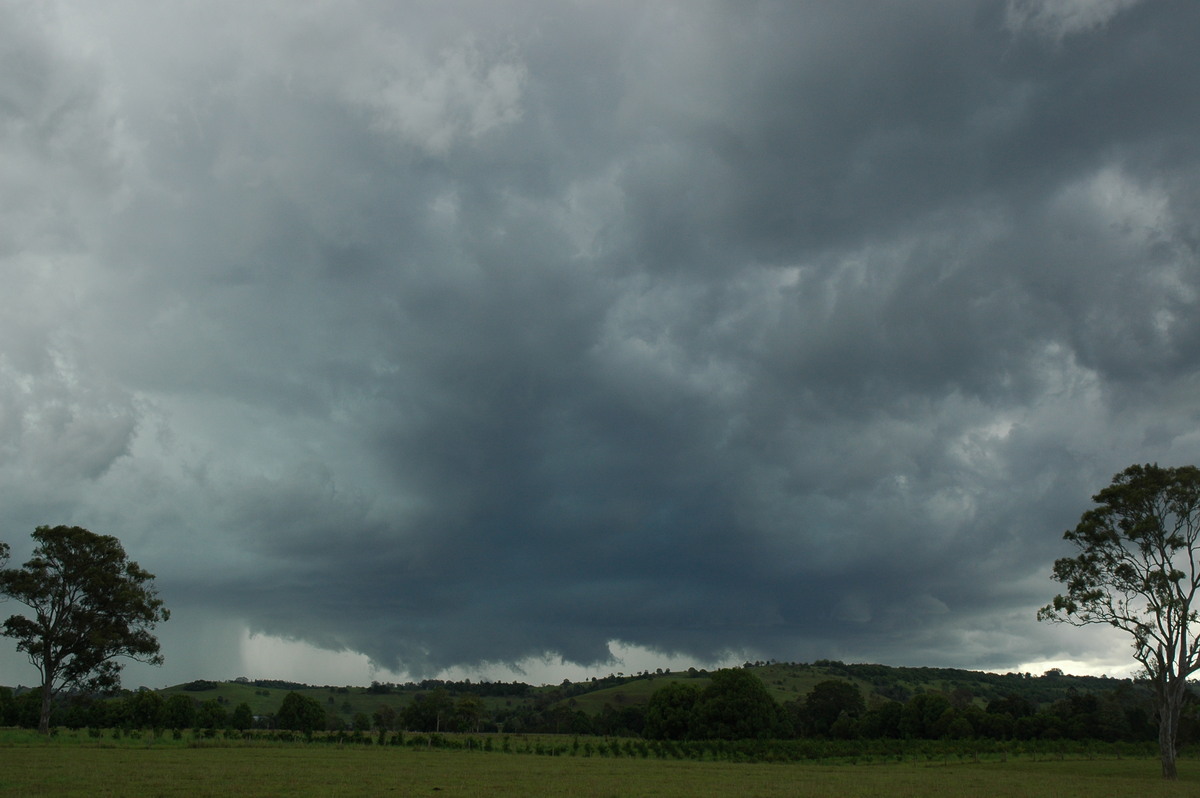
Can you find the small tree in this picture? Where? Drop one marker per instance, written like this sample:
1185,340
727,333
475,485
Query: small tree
90,606
211,715
469,712
179,712
736,706
385,718
428,711
300,713
1137,570
669,713
242,717
144,709
831,700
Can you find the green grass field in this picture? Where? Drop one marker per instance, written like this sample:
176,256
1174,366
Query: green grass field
74,766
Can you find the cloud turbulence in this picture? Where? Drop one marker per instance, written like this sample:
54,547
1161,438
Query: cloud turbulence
463,334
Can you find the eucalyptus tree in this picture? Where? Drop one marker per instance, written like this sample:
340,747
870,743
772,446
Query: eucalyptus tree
89,605
1136,569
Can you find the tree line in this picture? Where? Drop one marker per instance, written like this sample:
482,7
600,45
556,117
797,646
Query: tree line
734,705
836,709
144,709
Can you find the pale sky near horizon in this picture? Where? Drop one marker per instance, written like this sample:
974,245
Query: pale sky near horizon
414,338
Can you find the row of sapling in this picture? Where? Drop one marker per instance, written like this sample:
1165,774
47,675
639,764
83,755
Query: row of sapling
1136,569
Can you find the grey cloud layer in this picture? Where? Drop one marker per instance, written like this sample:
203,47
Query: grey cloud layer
462,336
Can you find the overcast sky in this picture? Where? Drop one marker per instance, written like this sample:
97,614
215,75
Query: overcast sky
401,339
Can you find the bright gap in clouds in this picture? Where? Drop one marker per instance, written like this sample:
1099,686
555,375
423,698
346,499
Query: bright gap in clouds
270,657
1124,669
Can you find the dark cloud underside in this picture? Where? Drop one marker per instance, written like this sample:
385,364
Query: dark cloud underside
466,335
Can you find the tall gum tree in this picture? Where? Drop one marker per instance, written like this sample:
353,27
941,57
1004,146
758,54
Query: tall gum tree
1136,569
90,605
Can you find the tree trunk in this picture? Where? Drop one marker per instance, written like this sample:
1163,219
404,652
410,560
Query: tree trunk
44,720
1168,728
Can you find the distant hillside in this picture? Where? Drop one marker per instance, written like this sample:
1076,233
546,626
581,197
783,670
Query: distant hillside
900,684
928,703
794,681
787,682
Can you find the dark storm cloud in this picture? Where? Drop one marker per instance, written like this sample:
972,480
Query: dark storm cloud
467,336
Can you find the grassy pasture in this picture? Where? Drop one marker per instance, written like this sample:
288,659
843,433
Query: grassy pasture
69,766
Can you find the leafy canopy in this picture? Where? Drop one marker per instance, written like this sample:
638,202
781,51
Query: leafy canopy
89,604
734,706
300,713
669,713
830,700
1136,568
